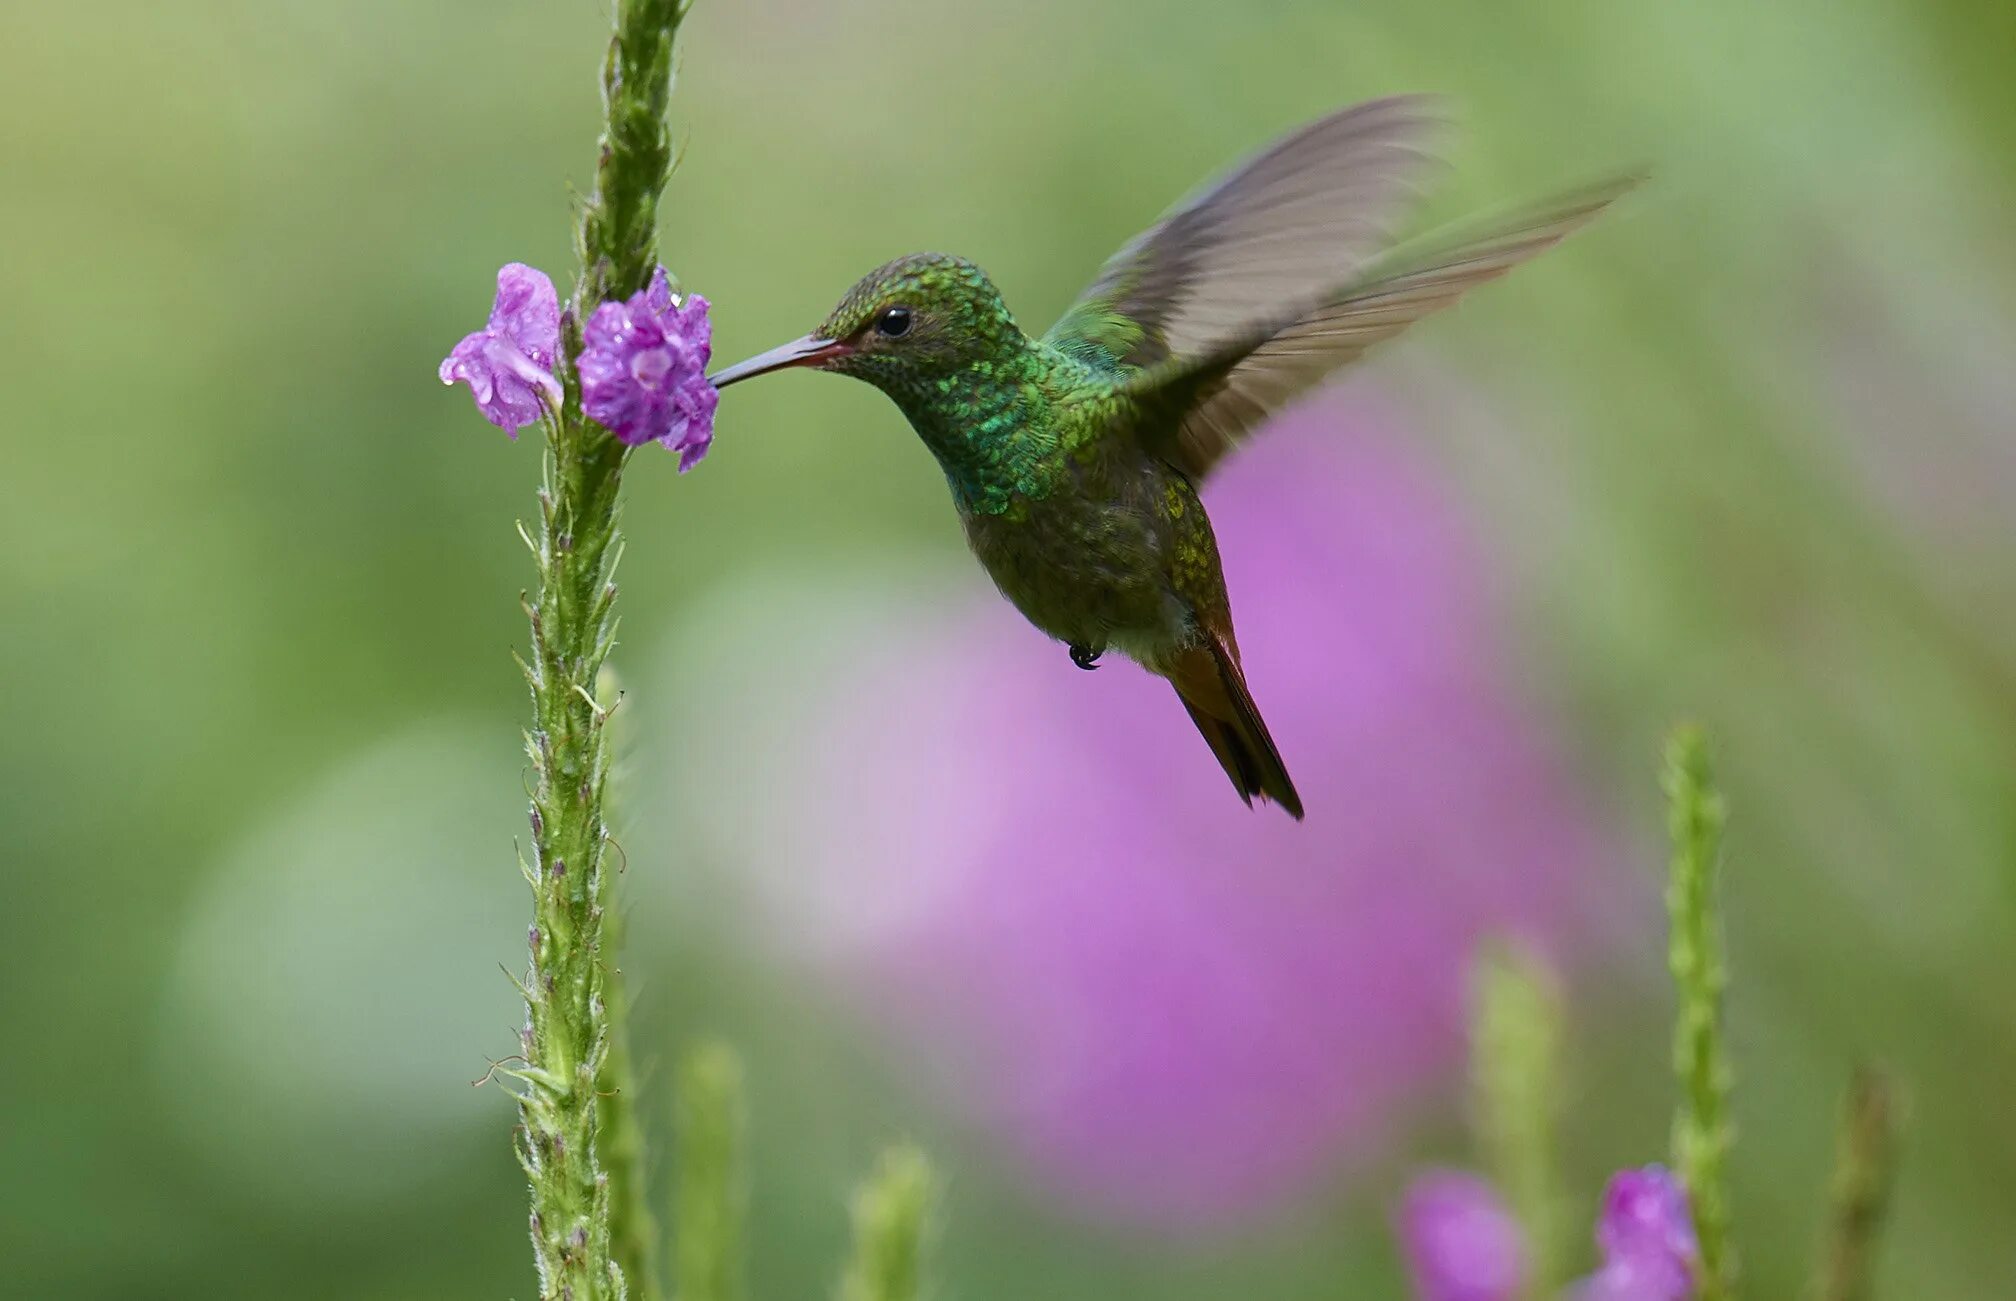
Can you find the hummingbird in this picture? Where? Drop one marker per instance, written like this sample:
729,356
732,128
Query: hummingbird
1075,458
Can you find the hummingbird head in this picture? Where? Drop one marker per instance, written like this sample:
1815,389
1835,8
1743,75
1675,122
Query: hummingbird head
906,324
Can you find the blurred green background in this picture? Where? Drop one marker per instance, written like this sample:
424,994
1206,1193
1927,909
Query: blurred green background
1742,453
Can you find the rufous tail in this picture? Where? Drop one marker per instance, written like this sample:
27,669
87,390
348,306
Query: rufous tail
1208,680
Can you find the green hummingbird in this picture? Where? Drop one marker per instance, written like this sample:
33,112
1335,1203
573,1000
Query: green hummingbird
1074,459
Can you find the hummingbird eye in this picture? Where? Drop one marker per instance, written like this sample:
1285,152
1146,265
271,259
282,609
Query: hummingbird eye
894,323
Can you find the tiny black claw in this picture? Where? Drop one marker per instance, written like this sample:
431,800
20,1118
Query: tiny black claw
1085,657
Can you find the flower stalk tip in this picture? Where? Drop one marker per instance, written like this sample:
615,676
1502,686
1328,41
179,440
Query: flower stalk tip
1865,1166
1702,1132
890,1213
1515,1049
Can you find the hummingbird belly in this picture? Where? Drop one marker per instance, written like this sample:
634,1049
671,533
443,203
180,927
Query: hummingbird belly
1085,571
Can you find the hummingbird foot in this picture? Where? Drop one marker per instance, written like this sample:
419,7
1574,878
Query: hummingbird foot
1086,657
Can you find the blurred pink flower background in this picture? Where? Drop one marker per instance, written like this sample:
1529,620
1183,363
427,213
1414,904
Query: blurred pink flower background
1168,1008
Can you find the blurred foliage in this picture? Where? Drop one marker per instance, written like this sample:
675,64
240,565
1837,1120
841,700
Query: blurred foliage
708,1205
1742,452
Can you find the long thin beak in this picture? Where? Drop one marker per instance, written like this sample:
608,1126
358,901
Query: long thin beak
808,351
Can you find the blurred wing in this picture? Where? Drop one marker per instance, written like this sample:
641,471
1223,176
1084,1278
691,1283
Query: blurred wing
1308,212
1220,398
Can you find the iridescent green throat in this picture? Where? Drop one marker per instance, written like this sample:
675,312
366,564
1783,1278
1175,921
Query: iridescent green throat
999,426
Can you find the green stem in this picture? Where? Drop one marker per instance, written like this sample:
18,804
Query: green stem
889,1221
708,1193
1515,1049
633,1229
1864,1167
568,1035
1701,1126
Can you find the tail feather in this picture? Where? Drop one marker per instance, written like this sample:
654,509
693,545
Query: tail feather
1212,687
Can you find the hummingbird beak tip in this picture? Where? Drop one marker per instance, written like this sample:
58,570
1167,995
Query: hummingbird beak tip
808,351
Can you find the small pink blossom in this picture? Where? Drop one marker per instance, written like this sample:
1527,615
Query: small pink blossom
508,364
1461,1242
1646,1234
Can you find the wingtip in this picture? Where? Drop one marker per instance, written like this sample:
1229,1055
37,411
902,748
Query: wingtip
1572,208
1616,185
1293,810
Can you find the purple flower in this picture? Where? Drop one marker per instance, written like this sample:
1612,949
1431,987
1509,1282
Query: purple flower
508,363
644,370
1461,1242
1646,1234
1163,1006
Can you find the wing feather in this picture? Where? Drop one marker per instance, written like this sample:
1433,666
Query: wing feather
1308,210
1224,394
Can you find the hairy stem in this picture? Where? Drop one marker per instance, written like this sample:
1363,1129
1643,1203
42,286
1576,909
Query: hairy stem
568,1033
1701,1126
633,1229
